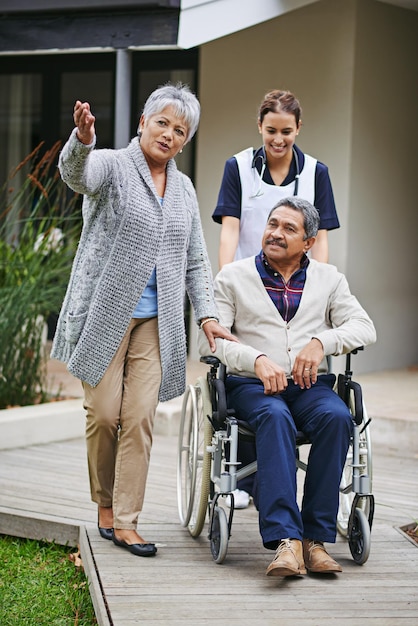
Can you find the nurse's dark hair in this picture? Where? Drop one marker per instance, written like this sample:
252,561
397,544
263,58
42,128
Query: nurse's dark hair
309,212
278,100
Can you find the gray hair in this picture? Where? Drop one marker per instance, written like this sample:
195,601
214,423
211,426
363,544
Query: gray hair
309,212
185,104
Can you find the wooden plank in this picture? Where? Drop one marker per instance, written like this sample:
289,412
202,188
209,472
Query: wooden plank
41,527
95,588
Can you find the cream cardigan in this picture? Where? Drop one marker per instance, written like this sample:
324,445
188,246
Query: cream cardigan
327,311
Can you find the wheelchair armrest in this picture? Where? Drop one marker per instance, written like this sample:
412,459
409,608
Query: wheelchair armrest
222,412
358,402
344,386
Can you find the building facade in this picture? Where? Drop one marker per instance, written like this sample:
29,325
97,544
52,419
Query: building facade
352,63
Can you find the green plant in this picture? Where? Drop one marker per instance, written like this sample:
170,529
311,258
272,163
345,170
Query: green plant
42,584
39,229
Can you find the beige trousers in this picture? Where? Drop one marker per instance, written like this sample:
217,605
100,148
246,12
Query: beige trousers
120,418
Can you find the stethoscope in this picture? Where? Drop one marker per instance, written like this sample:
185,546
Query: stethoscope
263,158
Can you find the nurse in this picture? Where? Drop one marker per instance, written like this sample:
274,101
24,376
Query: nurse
255,180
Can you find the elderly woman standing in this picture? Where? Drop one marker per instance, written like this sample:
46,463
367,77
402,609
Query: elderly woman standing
121,326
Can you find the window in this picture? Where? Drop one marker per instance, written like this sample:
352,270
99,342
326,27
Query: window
37,95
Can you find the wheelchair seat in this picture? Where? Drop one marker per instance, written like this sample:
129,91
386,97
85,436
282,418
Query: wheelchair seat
246,434
222,412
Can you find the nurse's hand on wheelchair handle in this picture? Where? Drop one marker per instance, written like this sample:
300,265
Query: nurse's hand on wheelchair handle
271,375
305,367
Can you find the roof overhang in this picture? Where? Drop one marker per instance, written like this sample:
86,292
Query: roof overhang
205,20
202,21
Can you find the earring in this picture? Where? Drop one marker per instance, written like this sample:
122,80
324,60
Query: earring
180,151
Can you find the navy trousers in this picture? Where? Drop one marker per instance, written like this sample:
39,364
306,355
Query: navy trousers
326,421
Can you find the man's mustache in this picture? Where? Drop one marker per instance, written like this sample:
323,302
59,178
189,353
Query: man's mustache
276,242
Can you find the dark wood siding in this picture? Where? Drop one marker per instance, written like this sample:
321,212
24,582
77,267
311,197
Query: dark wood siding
75,29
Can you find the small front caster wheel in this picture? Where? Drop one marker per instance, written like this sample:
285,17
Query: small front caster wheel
219,535
359,539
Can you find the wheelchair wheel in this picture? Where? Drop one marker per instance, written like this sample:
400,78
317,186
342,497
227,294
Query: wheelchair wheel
219,535
193,461
359,539
346,499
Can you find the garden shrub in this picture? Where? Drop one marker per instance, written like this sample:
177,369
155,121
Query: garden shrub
40,222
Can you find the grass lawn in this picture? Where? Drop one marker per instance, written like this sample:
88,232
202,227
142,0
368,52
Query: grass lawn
42,584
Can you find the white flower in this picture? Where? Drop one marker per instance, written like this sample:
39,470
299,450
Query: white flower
51,241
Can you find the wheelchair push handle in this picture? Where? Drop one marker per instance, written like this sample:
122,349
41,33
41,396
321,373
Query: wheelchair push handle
348,371
213,361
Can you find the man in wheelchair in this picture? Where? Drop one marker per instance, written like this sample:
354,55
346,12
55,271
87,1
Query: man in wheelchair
289,313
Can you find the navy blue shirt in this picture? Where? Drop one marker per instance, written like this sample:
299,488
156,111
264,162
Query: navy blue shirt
229,198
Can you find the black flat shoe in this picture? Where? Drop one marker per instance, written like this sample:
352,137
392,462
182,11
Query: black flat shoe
139,549
106,533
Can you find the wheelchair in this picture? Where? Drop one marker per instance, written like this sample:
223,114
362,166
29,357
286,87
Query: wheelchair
208,469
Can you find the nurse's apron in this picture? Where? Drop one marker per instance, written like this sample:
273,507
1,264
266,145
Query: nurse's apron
258,198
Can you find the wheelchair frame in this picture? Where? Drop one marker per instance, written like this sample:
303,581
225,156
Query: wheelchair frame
208,468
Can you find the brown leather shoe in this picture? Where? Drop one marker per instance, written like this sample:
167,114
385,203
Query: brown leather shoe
317,559
288,560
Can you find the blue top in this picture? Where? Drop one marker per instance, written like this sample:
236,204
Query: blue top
148,302
230,193
148,305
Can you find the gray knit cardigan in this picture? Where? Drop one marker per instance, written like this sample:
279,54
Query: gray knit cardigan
126,233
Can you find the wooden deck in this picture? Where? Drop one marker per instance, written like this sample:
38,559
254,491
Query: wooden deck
44,494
